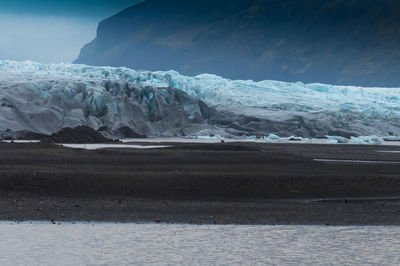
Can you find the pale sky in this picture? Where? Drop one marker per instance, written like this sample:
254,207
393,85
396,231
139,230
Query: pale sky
51,31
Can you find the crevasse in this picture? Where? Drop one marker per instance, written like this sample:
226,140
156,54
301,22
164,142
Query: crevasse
358,109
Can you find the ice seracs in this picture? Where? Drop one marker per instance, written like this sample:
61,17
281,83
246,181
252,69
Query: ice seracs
45,98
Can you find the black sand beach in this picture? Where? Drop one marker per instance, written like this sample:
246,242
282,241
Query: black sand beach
240,183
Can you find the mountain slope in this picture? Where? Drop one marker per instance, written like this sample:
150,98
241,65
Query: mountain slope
350,42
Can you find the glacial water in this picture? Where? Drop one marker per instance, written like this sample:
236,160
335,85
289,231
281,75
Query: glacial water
163,244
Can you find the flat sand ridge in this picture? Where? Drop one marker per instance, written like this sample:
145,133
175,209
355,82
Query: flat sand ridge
247,183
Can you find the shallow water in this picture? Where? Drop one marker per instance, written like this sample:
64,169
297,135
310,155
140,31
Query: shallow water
161,244
355,161
112,146
211,140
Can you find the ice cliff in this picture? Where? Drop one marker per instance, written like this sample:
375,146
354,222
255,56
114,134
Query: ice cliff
122,102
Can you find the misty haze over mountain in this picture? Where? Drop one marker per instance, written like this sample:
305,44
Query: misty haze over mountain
330,41
51,31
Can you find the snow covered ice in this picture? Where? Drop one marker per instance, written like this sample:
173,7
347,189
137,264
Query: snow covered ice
119,101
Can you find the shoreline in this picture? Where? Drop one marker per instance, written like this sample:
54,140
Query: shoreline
128,210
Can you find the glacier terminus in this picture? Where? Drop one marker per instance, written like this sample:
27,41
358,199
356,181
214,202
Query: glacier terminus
121,102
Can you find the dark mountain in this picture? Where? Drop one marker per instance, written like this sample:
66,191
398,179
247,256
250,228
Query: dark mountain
351,42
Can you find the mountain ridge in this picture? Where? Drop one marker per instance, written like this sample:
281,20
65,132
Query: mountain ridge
342,42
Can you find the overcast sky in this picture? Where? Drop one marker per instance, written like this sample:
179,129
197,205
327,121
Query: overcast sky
51,31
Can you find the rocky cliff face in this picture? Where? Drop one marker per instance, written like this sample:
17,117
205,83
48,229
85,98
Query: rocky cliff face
350,42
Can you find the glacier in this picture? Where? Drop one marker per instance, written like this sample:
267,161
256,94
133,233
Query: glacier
122,102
